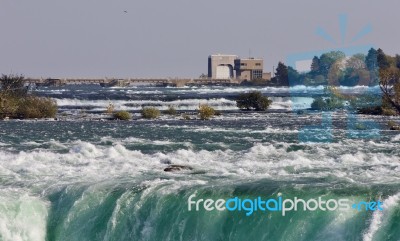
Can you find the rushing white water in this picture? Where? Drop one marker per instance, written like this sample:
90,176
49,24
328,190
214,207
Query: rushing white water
279,103
82,180
22,217
88,162
380,219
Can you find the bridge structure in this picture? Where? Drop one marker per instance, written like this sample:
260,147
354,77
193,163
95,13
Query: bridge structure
131,82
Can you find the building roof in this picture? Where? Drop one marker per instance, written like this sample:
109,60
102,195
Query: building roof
251,59
221,55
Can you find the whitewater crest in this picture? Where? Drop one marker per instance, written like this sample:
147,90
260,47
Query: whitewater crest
83,179
22,217
381,221
85,161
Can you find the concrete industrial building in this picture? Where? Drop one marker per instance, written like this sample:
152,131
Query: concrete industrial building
249,69
224,67
221,66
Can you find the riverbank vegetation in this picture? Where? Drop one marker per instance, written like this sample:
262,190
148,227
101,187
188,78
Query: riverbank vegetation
389,76
334,69
253,101
17,103
170,111
150,112
206,112
122,115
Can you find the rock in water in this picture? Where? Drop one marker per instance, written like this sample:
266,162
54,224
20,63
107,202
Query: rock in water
176,168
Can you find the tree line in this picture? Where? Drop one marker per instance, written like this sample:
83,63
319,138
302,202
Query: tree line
334,69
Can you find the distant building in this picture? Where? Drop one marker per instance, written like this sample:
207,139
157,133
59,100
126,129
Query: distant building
249,69
220,66
267,76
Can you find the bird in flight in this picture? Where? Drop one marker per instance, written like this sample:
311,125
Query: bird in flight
125,11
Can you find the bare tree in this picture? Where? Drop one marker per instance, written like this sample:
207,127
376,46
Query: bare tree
390,86
13,84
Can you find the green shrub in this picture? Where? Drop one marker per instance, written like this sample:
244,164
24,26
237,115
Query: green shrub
186,117
393,126
27,107
253,100
383,108
206,112
365,101
377,110
36,107
170,111
48,108
318,104
388,108
150,113
389,111
13,85
8,106
16,102
360,126
326,104
122,115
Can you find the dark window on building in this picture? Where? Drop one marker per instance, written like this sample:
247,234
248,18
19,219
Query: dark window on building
243,64
257,74
258,64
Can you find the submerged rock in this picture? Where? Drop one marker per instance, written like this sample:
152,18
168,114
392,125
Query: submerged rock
176,168
393,126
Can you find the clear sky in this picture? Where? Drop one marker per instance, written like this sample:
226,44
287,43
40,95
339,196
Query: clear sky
159,38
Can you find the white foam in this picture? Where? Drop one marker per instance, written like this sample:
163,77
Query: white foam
88,162
187,104
379,217
22,217
268,129
396,138
286,103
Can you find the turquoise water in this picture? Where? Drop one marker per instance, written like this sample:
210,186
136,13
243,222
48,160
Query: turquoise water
80,178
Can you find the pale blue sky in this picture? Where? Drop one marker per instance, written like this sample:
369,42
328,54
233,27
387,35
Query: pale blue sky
158,38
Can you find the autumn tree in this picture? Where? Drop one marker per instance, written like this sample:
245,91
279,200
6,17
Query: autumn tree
390,85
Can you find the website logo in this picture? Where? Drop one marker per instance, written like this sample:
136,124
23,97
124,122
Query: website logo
280,204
